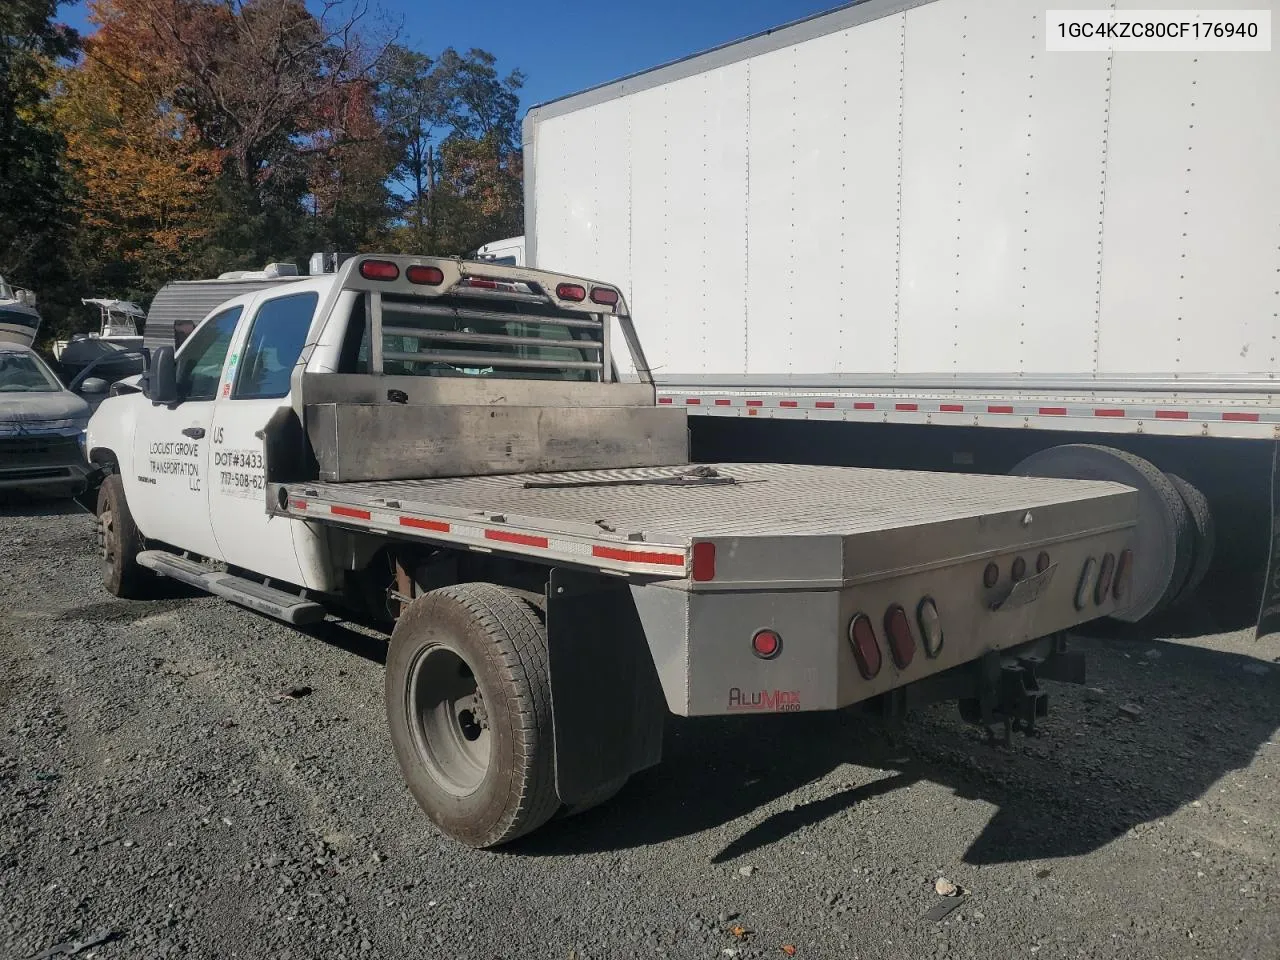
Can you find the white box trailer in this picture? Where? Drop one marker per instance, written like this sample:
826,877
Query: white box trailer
900,216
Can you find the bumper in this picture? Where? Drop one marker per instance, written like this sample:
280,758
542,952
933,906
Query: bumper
702,641
52,464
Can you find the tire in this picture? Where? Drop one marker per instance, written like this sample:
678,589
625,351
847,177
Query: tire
469,707
120,542
1165,537
1197,505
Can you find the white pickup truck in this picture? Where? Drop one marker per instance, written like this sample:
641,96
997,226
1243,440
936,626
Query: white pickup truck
448,448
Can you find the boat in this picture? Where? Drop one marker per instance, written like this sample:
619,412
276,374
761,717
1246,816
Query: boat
19,319
119,322
112,353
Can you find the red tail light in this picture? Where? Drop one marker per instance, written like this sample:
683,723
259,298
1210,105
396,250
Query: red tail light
990,575
866,651
604,296
1019,569
704,561
1042,562
897,628
1103,588
484,283
379,270
766,644
428,276
572,292
1124,574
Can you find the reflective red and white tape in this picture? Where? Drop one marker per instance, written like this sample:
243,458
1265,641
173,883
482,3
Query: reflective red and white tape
616,556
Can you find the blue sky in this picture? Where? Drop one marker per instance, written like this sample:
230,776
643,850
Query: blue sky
568,45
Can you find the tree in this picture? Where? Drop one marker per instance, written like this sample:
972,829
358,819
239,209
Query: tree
34,187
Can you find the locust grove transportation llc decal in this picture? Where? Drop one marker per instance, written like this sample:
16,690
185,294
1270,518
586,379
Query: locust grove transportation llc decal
175,459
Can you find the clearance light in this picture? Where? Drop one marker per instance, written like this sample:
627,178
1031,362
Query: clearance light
572,292
379,270
428,276
930,626
604,296
902,646
866,651
766,644
704,561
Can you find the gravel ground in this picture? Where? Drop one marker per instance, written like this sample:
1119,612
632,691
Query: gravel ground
155,787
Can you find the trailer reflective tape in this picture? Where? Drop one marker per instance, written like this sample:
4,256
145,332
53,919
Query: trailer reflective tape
298,505
664,399
788,403
755,403
1053,411
863,405
692,401
352,512
637,556
723,403
824,404
418,523
999,409
1108,412
951,407
908,407
1241,417
510,536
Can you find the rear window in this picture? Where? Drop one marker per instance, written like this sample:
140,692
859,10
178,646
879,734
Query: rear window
445,339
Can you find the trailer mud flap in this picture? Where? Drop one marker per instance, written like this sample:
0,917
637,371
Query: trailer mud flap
1269,612
607,705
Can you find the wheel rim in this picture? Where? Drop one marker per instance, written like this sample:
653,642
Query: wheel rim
106,536
449,721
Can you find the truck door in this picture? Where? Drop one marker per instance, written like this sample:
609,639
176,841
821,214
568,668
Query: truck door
257,384
168,494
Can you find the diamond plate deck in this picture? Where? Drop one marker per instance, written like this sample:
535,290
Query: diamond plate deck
769,500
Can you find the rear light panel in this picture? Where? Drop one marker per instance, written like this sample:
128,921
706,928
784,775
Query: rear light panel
897,628
866,649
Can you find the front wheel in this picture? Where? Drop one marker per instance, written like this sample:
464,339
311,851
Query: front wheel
469,709
120,542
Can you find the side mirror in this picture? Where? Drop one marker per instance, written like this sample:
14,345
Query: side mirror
94,385
162,377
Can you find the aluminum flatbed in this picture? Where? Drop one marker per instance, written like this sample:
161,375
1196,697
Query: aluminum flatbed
647,520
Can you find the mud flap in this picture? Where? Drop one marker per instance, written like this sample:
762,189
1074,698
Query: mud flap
1269,611
606,702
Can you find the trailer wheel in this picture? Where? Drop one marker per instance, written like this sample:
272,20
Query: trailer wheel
1165,539
120,542
469,706
1205,535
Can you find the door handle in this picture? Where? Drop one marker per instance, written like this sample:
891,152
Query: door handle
195,433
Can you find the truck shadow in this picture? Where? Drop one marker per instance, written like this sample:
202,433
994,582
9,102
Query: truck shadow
1191,716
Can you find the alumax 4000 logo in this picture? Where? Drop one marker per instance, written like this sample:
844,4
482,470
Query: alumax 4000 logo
773,701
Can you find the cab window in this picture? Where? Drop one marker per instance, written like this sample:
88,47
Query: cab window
199,363
275,342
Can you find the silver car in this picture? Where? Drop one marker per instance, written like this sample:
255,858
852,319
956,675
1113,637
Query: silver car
42,426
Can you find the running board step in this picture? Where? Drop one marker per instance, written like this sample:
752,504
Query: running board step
274,603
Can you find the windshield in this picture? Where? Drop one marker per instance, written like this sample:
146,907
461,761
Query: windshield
23,373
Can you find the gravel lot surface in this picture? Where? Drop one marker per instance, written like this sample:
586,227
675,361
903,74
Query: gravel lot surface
157,789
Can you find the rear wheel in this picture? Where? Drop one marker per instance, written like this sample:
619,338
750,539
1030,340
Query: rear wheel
1197,505
469,707
120,542
1165,539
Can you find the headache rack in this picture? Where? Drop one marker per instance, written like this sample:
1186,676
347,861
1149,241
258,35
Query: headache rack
473,369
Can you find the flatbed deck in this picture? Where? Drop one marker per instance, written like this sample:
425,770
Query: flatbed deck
609,521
